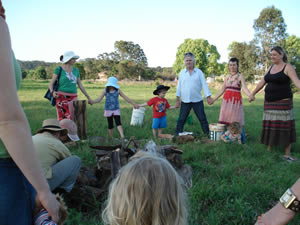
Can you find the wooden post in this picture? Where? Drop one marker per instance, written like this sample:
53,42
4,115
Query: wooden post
115,162
80,118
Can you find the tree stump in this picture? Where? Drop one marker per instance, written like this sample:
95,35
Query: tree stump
80,118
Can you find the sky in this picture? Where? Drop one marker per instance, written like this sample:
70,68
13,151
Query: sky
45,29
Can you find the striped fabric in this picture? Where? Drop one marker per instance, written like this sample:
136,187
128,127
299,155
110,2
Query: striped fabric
232,104
43,218
278,123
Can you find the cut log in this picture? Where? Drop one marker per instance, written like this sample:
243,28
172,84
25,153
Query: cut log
80,118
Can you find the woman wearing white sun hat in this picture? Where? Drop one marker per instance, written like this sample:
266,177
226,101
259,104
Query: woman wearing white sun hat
69,77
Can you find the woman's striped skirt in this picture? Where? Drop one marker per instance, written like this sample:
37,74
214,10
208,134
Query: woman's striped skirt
278,123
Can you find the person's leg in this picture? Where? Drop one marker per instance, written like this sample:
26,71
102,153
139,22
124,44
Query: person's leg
154,131
287,150
17,195
199,111
159,131
110,123
185,109
243,135
162,124
64,173
155,126
119,126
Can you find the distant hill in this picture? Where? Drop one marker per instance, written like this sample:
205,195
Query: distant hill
32,65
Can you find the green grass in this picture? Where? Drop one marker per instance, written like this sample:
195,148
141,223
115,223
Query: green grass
232,183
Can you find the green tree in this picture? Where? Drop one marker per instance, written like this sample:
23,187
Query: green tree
247,55
90,68
40,73
270,30
127,50
292,46
80,67
206,56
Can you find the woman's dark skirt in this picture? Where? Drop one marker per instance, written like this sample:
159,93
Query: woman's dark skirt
278,123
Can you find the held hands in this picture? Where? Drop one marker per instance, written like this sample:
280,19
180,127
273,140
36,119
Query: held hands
136,106
91,102
251,98
209,100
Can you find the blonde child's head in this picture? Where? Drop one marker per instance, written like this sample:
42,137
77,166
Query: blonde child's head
235,128
147,191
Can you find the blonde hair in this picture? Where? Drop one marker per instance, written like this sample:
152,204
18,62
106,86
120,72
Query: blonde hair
147,191
235,127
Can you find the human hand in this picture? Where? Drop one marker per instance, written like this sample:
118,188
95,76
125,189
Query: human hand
278,215
177,105
251,98
90,101
54,94
49,202
136,106
209,100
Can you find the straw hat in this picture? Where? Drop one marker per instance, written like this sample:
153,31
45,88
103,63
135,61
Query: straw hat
71,127
52,125
67,56
112,82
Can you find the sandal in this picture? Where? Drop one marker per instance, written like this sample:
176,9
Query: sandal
288,158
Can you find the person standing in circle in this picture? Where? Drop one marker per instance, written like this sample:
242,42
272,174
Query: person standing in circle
67,90
278,119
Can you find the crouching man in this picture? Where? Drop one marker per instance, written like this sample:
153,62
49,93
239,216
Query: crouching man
60,167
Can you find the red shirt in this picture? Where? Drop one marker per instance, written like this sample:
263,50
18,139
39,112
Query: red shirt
160,105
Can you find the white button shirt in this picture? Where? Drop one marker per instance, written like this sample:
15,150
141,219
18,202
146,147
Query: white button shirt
190,85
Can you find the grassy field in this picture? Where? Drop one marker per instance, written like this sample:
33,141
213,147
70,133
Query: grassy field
232,183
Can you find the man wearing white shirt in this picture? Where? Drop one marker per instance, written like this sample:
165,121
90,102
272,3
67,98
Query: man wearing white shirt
191,82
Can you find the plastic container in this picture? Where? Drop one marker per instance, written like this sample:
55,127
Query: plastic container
137,117
216,130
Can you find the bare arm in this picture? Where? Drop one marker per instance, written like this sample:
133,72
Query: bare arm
14,128
101,96
244,85
259,86
292,75
221,92
52,81
80,85
279,215
128,99
143,105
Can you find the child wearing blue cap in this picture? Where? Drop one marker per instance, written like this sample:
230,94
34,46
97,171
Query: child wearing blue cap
112,107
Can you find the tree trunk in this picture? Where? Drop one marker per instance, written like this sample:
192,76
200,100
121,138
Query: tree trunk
80,118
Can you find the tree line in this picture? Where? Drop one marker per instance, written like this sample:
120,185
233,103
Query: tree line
129,61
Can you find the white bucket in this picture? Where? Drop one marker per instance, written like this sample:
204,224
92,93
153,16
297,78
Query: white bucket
137,117
216,130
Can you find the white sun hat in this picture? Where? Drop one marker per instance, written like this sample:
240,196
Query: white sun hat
67,56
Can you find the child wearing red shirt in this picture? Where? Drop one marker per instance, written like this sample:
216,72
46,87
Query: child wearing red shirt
160,105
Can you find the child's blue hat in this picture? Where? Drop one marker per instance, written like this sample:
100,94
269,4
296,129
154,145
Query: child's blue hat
112,82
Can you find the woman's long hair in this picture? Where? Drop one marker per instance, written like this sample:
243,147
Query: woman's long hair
147,191
280,51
